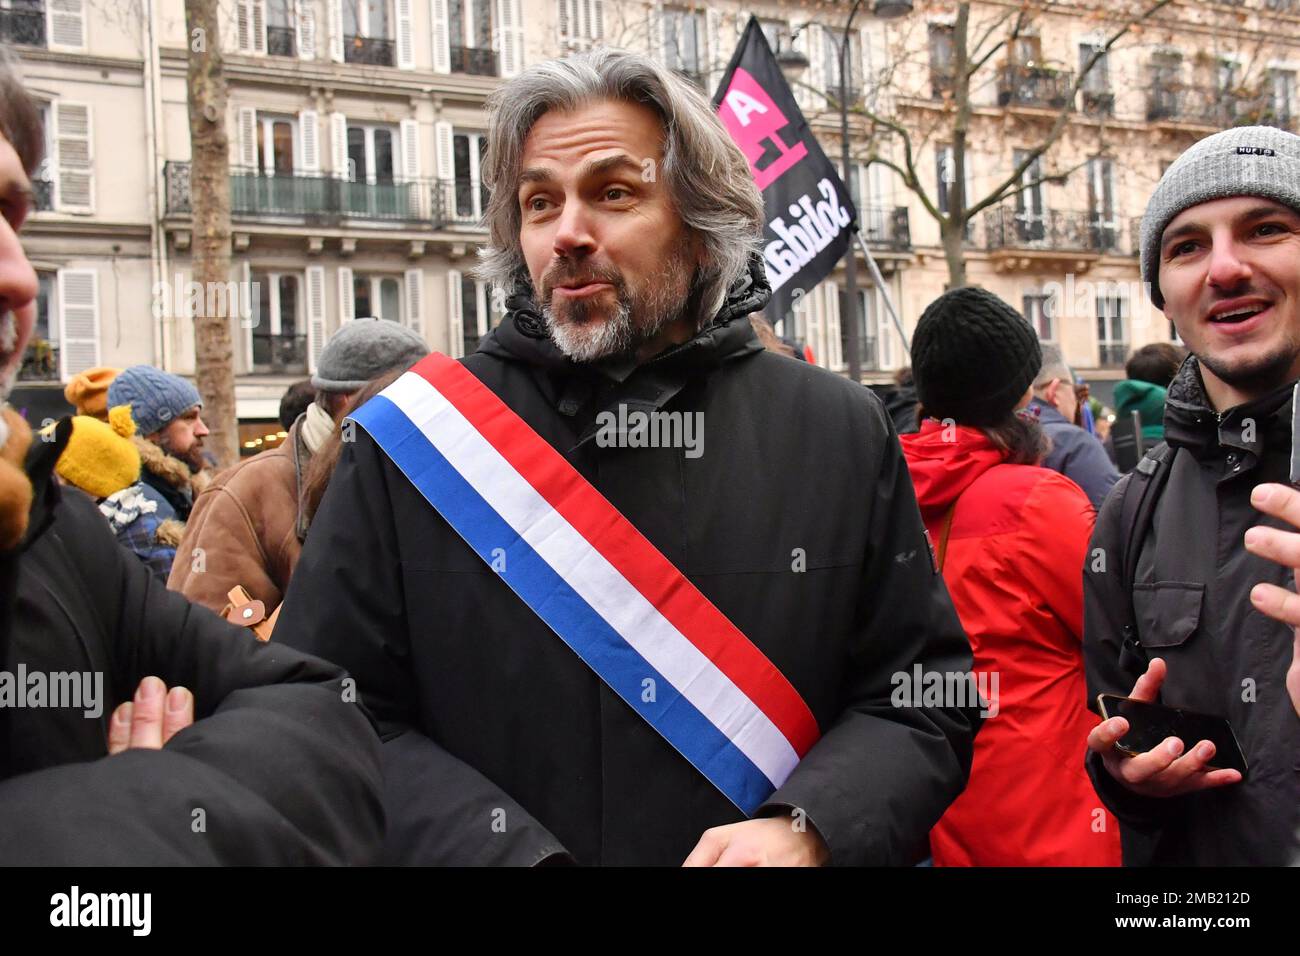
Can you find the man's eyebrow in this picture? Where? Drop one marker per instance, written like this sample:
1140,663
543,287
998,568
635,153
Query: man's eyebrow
1253,214
540,174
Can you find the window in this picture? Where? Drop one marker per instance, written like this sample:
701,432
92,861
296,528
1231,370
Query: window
368,32
777,33
1282,103
1040,312
279,330
378,297
281,31
582,23
22,22
477,319
873,350
1112,333
1097,96
471,192
1166,84
684,42
831,40
470,29
41,360
1027,50
1102,222
1031,215
941,58
276,137
43,177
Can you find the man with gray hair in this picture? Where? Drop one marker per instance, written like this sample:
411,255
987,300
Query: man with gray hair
1075,453
583,639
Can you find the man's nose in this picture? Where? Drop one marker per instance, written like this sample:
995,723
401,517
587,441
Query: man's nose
1227,268
17,277
574,237
200,429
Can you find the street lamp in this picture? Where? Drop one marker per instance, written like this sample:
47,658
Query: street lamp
792,64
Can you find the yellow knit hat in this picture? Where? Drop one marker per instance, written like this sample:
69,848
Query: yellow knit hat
100,458
87,392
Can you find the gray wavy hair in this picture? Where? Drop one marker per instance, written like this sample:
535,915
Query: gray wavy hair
707,175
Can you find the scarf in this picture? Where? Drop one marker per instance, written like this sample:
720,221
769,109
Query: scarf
317,425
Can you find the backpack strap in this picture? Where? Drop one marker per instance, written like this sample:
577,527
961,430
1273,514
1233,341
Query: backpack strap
1137,513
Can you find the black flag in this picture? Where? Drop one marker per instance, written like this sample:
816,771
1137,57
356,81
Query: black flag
808,210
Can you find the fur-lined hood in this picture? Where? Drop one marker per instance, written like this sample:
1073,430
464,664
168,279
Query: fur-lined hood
170,469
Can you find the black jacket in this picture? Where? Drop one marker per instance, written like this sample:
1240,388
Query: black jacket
1191,598
283,768
494,719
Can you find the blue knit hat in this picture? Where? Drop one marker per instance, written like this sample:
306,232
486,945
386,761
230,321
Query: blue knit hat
156,397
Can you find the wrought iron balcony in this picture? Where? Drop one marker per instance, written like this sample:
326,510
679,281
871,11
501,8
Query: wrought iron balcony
23,24
42,195
1034,86
281,41
1098,102
325,200
474,60
1005,227
1112,354
372,51
274,354
887,226
40,362
1181,103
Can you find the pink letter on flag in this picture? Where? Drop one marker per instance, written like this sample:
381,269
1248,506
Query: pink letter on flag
755,122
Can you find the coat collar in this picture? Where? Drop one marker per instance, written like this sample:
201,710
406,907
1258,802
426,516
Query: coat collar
1191,421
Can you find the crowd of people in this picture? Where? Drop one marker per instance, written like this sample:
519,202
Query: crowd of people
499,636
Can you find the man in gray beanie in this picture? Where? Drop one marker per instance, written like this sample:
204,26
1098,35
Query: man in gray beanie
1179,588
248,527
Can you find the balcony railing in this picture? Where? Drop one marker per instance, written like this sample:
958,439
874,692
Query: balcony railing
321,199
886,226
40,363
42,195
1112,354
1034,86
281,41
23,24
1052,230
473,60
1098,102
275,354
1180,103
372,51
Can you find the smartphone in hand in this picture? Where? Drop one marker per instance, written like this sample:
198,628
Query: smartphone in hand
1150,724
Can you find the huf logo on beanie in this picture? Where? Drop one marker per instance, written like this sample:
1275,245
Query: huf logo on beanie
1255,151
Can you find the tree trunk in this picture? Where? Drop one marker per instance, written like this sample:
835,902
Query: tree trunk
954,252
210,200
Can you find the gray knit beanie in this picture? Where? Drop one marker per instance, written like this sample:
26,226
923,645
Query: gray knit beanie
1245,161
364,349
156,397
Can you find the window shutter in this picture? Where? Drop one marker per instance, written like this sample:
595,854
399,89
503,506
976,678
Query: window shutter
248,138
455,316
567,28
66,24
306,29
347,301
510,19
596,25
410,165
415,299
339,146
446,168
315,314
441,38
834,326
72,134
78,321
405,36
336,29
309,134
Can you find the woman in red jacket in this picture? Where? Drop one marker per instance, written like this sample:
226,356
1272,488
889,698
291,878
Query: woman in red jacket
1011,539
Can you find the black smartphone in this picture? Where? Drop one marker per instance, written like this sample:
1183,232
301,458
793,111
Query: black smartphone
1150,724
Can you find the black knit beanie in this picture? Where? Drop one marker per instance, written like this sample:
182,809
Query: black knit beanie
973,357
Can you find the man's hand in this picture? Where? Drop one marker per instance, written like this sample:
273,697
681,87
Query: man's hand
153,718
1164,770
1284,548
772,841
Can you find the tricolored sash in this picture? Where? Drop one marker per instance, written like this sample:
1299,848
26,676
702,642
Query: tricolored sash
585,570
